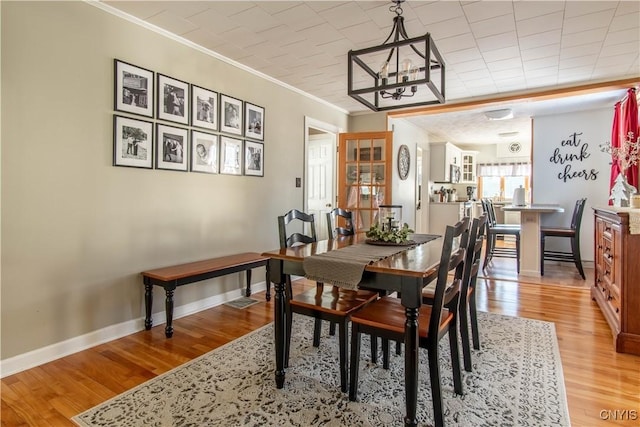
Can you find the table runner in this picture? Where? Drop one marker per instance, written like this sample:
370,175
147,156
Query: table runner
344,267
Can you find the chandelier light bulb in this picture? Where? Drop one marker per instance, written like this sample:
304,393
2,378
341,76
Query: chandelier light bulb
384,70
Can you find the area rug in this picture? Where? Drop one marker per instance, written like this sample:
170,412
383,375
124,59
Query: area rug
242,302
516,381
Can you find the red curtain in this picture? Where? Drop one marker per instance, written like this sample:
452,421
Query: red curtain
625,120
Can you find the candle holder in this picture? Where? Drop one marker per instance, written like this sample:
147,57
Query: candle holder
389,217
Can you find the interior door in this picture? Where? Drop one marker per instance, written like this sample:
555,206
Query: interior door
364,175
320,188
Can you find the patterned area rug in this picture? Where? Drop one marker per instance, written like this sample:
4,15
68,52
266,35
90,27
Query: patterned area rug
517,380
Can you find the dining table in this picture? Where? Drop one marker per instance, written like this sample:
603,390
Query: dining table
407,272
530,256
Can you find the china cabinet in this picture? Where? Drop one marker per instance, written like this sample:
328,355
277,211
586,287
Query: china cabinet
616,286
365,168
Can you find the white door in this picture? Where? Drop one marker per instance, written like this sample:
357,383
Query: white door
320,179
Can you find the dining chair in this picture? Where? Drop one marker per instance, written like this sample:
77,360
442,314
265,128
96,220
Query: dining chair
467,308
339,223
386,318
325,302
572,233
495,230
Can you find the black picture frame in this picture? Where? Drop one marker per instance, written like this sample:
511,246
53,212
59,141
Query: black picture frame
173,100
231,113
254,121
172,145
205,153
204,108
133,89
231,154
253,158
132,142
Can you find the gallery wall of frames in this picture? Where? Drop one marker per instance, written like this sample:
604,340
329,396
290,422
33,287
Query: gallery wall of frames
171,124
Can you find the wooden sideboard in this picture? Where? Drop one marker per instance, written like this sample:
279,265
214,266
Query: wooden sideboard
616,287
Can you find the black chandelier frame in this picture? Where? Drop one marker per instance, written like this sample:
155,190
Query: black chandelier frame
394,86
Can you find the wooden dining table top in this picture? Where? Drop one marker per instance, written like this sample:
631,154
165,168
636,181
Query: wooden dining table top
416,261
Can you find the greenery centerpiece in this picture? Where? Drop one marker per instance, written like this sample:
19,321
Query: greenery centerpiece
394,235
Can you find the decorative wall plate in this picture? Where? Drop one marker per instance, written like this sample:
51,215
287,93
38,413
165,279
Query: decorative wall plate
404,161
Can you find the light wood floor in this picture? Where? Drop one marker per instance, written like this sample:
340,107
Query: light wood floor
597,379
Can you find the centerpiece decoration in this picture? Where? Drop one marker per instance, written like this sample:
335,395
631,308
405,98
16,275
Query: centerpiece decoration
627,155
387,230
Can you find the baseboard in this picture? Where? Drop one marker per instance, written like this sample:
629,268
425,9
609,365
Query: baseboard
34,358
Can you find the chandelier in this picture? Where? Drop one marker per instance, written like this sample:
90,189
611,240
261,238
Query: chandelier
401,72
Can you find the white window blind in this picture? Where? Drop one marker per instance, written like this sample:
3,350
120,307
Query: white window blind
504,169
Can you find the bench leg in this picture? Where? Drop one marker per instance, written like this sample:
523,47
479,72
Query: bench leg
268,282
148,301
248,291
168,306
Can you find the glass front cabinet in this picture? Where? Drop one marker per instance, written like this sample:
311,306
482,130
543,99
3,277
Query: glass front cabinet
364,175
468,167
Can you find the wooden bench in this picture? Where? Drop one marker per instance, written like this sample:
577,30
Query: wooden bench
172,277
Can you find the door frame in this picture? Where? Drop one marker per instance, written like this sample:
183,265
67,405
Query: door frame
311,123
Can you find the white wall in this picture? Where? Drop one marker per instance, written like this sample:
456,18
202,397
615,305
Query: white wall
404,191
568,165
76,231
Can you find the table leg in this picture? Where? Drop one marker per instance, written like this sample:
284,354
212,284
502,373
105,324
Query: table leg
280,332
148,301
248,291
411,349
168,306
530,244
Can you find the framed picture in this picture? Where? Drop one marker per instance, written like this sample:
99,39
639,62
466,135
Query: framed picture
230,115
254,121
253,158
133,89
173,99
171,148
204,152
132,142
230,156
204,108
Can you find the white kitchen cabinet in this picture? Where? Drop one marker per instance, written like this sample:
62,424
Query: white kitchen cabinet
443,214
468,167
442,156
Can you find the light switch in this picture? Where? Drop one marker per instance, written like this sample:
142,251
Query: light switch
298,182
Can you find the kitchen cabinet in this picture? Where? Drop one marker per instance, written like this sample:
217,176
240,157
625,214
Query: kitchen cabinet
616,287
443,214
468,167
442,156
365,162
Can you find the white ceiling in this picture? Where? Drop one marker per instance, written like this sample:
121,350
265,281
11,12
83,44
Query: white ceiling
489,47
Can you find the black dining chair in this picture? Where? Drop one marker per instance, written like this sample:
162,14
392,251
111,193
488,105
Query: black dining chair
467,308
339,223
326,302
572,233
495,230
386,318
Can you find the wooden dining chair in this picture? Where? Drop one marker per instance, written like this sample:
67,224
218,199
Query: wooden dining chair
495,230
386,318
572,233
467,311
339,223
322,303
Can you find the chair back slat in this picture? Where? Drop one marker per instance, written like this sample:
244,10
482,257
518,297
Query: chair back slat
287,240
334,224
473,253
451,261
576,219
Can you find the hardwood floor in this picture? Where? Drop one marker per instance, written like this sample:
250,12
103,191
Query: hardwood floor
597,379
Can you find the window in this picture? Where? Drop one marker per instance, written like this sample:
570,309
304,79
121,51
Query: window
499,181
